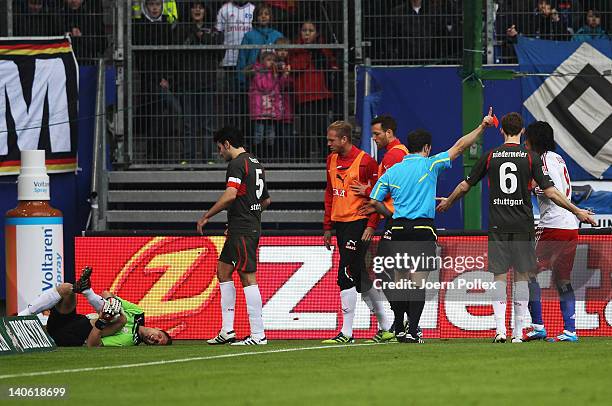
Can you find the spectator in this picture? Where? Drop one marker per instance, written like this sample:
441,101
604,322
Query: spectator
197,80
33,18
592,29
313,95
169,10
545,24
417,32
154,65
265,101
284,127
82,19
261,34
569,11
234,20
284,13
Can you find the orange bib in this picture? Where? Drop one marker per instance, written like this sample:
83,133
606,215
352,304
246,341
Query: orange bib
345,203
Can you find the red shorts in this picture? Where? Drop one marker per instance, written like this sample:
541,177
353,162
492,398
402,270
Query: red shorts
555,250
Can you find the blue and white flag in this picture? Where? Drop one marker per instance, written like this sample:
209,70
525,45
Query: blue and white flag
573,93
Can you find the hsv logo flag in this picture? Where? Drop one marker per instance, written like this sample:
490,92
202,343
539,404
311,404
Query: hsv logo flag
572,91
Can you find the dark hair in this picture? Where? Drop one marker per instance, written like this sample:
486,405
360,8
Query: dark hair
512,123
232,135
169,341
386,122
283,40
417,140
258,9
540,136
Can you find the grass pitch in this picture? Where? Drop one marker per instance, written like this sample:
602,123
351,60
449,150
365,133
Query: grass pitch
455,372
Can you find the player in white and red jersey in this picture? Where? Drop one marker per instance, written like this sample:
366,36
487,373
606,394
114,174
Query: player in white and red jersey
556,237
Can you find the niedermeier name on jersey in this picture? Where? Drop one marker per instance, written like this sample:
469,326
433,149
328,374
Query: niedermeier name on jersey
509,154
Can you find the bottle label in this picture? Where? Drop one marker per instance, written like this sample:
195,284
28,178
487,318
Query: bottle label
34,258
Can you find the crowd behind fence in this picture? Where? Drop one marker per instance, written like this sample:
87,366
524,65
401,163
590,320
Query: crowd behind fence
278,69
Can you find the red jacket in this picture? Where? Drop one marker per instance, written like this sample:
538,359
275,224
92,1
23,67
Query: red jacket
368,172
309,67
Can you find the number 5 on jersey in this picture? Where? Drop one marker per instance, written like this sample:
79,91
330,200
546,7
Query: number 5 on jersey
259,182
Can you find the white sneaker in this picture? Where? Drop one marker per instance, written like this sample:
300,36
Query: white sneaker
223,338
251,341
517,340
499,338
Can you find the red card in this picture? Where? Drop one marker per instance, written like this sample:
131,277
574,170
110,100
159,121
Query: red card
495,121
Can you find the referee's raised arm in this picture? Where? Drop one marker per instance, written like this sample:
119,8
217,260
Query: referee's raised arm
467,140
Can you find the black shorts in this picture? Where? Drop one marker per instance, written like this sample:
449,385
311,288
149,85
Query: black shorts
352,270
68,330
240,250
511,250
420,238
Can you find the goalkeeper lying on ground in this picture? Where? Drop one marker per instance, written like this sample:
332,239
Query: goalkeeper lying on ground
119,322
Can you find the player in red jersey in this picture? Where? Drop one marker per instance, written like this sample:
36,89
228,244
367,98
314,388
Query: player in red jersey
556,237
348,165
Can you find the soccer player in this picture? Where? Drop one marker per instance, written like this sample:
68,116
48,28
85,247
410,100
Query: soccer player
245,197
511,168
556,237
412,184
383,133
348,165
69,329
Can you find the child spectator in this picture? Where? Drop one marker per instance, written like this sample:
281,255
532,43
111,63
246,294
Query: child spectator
83,21
313,96
261,34
592,29
197,80
284,13
284,127
265,101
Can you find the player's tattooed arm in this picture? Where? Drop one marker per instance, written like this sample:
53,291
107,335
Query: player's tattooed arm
458,193
585,216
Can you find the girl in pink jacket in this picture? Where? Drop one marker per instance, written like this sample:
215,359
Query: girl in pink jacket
265,100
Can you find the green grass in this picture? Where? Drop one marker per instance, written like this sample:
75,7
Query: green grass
456,372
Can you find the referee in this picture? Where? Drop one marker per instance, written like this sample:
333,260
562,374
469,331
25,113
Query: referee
412,185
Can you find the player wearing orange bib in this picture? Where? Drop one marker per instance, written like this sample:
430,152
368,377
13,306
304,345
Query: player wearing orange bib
383,133
348,165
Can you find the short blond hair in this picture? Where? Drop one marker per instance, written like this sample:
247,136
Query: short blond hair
342,129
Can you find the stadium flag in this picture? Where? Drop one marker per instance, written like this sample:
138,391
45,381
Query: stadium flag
572,91
23,334
39,103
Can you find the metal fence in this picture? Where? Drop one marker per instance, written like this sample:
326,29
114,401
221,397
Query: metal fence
424,32
84,20
276,69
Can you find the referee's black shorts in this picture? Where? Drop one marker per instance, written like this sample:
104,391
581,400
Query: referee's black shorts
415,238
240,250
511,250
